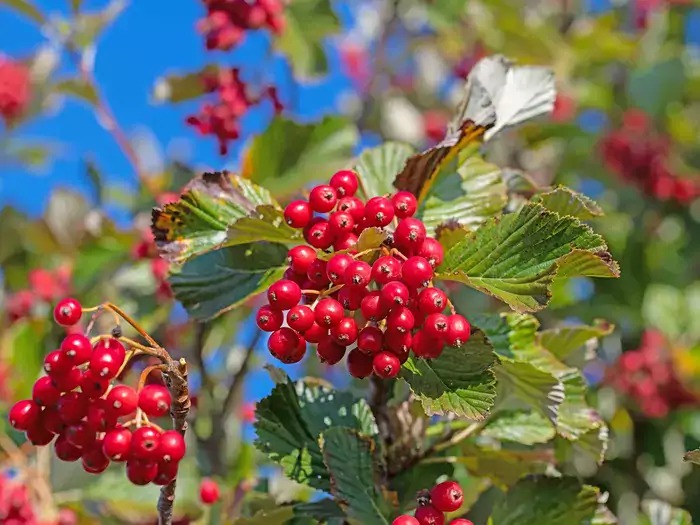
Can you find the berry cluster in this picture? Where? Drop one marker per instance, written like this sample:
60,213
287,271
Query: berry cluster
400,309
45,286
18,508
15,89
432,506
92,420
638,155
648,377
233,99
228,20
146,249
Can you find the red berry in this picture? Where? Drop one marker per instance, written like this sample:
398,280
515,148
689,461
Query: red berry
68,381
409,235
73,407
298,353
345,241
425,346
44,392
351,297
316,333
447,496
144,443
416,272
283,343
100,417
320,235
93,386
405,204
379,211
432,301
172,446
105,364
167,471
94,460
399,343
458,330
354,206
300,318
359,364
328,312
117,444
67,312
77,349
429,515
268,319
418,315
436,326
461,521
394,295
405,519
154,400
341,222
329,351
370,340
323,198
345,332
345,182
52,421
56,364
123,400
300,258
373,308
335,270
209,491
386,365
112,345
317,273
39,436
400,319
65,451
358,273
141,472
386,269
291,276
283,294
298,214
80,435
432,250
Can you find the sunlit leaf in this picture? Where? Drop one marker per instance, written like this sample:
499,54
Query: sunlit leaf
378,167
78,88
180,88
568,202
563,341
26,8
88,27
528,428
266,223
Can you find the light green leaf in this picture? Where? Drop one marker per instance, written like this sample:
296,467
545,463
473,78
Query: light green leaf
181,88
461,381
664,308
290,420
563,341
352,461
527,428
89,26
289,155
653,89
378,167
516,257
450,233
502,466
26,8
218,281
24,340
266,223
78,88
539,389
565,201
278,516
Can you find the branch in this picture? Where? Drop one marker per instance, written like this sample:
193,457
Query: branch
379,404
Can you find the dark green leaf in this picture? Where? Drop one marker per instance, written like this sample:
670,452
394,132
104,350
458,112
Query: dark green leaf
563,341
266,223
461,381
78,88
352,462
528,428
516,257
654,88
218,281
323,510
565,201
378,167
26,8
180,88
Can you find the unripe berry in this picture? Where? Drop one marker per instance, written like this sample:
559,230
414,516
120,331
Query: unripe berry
172,446
24,414
351,297
154,400
300,318
76,349
405,204
436,326
328,312
56,364
400,319
282,295
458,330
358,273
373,308
316,333
429,515
425,346
329,351
409,235
345,182
73,407
405,520
167,471
209,491
44,392
416,272
379,211
317,273
65,451
447,496
345,332
386,269
323,198
359,364
354,206
298,214
394,295
39,436
370,340
433,252
386,365
116,444
144,444
345,241
268,319
341,222
67,312
123,400
141,472
300,258
432,300
320,235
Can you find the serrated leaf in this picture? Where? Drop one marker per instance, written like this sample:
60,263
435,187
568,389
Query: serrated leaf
661,513
565,201
527,428
547,501
218,281
461,381
450,233
539,389
78,88
278,516
378,167
288,155
563,341
26,8
290,420
352,461
516,257
199,220
503,467
266,223
180,88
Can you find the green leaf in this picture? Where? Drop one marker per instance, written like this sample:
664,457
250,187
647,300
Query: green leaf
516,257
290,420
352,461
289,155
278,516
26,8
565,201
563,341
24,339
218,281
664,307
654,88
461,381
180,88
450,233
199,220
659,512
547,501
539,389
323,510
89,26
472,194
527,428
266,223
502,466
378,166
78,88
308,23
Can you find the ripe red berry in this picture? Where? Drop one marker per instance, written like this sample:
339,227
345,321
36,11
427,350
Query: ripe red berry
316,333
123,400
291,276
373,308
283,294
105,364
436,326
335,270
346,241
167,471
298,214
68,381
345,332
432,300
172,446
418,315
329,351
386,269
209,491
370,340
351,297
416,272
398,343
51,420
55,364
77,349
298,353
379,211
429,515
341,222
447,496
94,460
116,444
300,318
358,273
112,345
328,312
80,435
394,295
44,392
461,521
458,330
24,414
300,258
345,182
409,235
144,443
67,312
317,273
39,436
354,206
93,386
100,417
405,520
433,252
320,235
154,400
141,472
269,319
386,365
73,407
283,343
425,346
405,204
66,451
400,319
359,364
323,198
